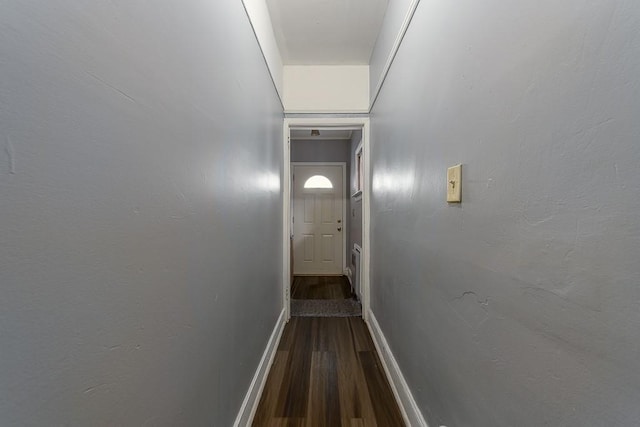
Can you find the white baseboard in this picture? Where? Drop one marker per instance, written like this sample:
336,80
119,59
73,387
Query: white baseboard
410,411
251,400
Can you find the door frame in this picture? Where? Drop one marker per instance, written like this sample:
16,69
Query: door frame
343,166
357,123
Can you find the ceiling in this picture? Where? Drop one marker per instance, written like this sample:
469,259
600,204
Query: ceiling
325,134
326,32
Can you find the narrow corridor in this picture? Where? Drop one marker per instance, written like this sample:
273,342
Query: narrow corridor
168,167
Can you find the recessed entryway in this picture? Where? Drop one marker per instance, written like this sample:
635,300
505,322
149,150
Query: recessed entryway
326,202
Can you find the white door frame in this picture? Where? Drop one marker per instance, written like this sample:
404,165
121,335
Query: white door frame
343,166
334,123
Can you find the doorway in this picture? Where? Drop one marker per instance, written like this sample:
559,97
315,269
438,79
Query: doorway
317,247
318,225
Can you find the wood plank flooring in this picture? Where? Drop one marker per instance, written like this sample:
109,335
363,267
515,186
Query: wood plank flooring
320,287
326,373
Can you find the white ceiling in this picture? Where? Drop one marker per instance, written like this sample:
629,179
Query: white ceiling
325,134
326,32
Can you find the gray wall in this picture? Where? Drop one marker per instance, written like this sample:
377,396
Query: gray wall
521,305
307,150
392,23
140,213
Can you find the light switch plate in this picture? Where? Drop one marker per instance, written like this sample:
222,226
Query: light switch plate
454,184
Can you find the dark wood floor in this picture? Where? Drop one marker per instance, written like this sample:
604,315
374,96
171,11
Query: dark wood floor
320,287
326,373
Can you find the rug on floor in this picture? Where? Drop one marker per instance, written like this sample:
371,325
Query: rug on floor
326,308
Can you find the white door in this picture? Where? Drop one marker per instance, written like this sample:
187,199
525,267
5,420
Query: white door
318,200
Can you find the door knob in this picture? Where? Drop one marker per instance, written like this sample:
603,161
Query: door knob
339,228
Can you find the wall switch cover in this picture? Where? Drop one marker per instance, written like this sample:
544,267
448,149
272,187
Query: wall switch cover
454,184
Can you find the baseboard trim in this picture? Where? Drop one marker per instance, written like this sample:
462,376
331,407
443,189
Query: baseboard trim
252,398
410,411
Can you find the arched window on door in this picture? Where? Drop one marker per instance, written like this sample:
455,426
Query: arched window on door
318,181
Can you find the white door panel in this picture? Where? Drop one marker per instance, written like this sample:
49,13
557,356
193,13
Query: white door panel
317,220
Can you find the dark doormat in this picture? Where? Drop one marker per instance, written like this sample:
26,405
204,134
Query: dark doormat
326,308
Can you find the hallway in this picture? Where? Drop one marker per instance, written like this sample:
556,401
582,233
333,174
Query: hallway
486,212
326,372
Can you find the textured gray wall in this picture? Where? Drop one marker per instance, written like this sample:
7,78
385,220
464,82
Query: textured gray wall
521,306
140,212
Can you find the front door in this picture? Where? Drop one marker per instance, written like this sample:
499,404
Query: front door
318,200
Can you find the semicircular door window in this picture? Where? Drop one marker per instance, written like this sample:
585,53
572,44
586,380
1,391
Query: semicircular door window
318,181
